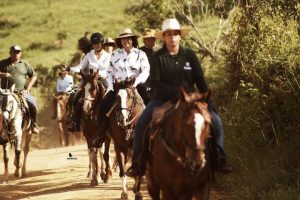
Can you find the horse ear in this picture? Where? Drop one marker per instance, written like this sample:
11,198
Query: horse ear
12,88
183,95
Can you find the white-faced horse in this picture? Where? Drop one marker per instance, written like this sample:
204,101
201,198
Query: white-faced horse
16,128
92,94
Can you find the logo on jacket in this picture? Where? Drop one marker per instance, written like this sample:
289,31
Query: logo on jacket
187,66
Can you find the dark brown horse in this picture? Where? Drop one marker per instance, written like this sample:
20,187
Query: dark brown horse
62,116
179,161
92,94
122,120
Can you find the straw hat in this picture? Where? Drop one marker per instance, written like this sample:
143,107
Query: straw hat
109,40
126,33
168,25
149,33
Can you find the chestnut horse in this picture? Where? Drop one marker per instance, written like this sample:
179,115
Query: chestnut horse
92,94
16,129
179,162
62,117
122,119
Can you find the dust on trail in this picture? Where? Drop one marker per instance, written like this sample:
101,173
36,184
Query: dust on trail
53,175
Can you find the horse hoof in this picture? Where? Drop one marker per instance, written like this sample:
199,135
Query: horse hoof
4,182
17,174
23,175
138,197
103,176
124,196
88,175
94,182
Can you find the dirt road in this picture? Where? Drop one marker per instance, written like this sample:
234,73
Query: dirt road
53,175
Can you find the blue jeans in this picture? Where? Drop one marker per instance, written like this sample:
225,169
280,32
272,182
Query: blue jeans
219,133
30,100
139,130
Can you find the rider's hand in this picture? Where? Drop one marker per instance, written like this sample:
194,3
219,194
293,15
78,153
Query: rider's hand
7,75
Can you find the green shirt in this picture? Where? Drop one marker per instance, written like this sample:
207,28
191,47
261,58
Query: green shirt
19,71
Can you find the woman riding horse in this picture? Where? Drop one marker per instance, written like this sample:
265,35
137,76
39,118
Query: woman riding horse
97,59
126,62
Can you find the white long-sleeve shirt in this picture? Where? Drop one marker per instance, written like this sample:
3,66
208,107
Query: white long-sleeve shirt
90,61
123,65
64,85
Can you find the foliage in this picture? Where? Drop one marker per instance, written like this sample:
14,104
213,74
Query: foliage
262,62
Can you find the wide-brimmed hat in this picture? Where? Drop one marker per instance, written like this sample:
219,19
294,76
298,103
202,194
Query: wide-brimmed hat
126,33
83,42
169,25
109,40
149,33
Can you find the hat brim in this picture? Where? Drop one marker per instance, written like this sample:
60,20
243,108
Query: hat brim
148,36
127,35
160,34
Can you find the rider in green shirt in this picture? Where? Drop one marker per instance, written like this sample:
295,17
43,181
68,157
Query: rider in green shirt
14,70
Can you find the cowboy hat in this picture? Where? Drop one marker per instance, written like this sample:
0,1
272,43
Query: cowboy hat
126,33
149,33
109,40
168,25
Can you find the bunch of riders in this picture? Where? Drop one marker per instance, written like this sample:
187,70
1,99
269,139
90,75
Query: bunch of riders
159,72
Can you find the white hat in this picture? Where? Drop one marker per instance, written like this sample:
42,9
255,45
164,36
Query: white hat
126,33
168,25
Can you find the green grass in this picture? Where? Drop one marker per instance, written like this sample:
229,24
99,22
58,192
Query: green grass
38,22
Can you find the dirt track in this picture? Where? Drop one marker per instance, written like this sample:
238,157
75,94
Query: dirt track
51,175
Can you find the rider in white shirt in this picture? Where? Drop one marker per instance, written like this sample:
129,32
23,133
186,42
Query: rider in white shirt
126,62
97,59
64,85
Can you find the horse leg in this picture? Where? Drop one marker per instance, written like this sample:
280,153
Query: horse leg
137,188
121,161
94,180
203,193
26,150
61,134
90,163
6,159
152,186
101,152
18,149
106,159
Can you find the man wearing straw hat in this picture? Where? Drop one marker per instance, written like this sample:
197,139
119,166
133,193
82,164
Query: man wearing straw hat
149,41
109,45
172,67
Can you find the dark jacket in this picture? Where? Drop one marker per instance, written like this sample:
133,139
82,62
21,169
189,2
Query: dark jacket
168,73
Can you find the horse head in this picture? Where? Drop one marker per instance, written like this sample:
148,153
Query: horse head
191,121
91,90
9,103
126,99
61,101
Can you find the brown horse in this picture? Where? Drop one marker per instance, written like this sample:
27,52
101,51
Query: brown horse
122,119
179,161
92,94
62,116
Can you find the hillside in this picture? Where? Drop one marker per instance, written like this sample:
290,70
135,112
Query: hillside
48,30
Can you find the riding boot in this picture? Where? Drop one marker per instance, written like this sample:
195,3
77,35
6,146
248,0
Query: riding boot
75,120
54,114
102,129
33,114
